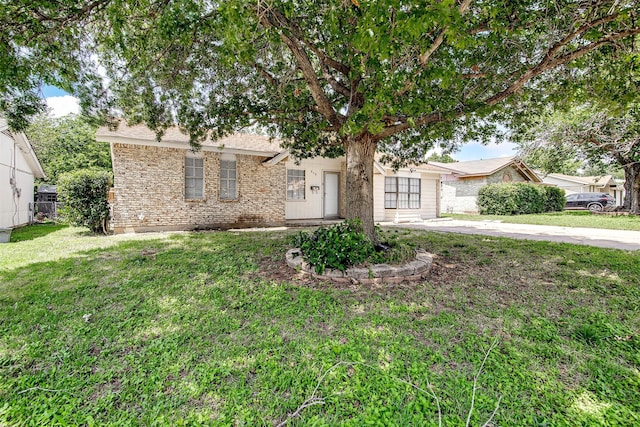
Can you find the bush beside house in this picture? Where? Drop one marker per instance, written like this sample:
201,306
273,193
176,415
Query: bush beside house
84,195
555,199
519,198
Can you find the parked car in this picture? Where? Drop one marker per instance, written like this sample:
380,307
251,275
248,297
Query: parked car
595,202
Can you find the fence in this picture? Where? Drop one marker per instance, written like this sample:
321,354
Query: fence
47,209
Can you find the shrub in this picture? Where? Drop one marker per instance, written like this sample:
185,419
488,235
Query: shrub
555,199
511,199
339,246
84,196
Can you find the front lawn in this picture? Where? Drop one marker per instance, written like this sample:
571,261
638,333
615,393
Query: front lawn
562,219
213,329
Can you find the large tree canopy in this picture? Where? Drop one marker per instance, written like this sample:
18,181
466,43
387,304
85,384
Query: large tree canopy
597,135
67,144
328,77
596,119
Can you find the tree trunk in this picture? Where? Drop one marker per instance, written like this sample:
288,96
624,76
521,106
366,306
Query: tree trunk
632,187
360,152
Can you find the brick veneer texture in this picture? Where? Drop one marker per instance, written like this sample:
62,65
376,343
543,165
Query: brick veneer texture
149,191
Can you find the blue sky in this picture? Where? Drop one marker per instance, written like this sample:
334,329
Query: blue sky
50,91
62,103
477,151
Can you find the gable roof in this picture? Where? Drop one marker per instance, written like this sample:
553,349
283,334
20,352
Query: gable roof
486,167
598,181
239,143
25,147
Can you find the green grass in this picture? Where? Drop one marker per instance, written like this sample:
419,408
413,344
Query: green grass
35,231
213,329
563,219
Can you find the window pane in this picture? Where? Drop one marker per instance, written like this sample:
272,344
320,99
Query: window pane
403,200
403,185
390,201
295,184
414,201
390,184
228,179
193,178
414,185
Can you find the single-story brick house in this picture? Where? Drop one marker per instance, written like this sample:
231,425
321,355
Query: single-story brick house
462,180
587,184
244,180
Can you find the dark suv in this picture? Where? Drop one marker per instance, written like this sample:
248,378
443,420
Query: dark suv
595,202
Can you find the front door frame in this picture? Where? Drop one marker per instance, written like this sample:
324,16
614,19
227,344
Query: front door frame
324,195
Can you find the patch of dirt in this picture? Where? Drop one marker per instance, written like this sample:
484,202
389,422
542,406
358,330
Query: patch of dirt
103,390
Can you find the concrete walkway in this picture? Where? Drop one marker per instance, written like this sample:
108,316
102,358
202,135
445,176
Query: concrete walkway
616,239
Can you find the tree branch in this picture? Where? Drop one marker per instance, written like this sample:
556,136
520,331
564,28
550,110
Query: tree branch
264,73
298,33
324,105
424,58
549,63
335,84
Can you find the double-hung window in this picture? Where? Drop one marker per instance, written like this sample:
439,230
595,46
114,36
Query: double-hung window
295,184
193,178
228,179
401,193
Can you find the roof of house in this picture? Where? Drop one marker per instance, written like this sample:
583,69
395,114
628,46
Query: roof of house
240,143
598,181
486,167
25,147
413,167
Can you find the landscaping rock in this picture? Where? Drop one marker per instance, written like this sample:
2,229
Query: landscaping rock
375,274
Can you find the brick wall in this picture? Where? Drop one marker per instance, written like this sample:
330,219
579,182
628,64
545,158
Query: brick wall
149,191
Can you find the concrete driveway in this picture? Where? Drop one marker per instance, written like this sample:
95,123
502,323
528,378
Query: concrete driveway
616,239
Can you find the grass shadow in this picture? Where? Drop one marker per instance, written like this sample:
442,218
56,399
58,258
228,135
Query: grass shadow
35,231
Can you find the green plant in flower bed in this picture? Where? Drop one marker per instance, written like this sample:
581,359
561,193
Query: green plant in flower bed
344,245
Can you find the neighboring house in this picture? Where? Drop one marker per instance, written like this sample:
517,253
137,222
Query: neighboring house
244,180
461,182
587,184
19,166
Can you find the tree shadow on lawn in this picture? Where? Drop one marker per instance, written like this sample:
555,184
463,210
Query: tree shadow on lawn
35,231
190,328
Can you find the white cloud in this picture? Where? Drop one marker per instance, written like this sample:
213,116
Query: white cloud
63,105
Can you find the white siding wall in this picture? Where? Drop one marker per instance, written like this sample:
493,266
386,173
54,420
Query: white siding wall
428,197
312,206
569,187
14,211
378,199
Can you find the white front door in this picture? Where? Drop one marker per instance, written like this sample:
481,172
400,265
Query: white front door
331,192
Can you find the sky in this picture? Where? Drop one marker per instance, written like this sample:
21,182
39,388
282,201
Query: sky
61,104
